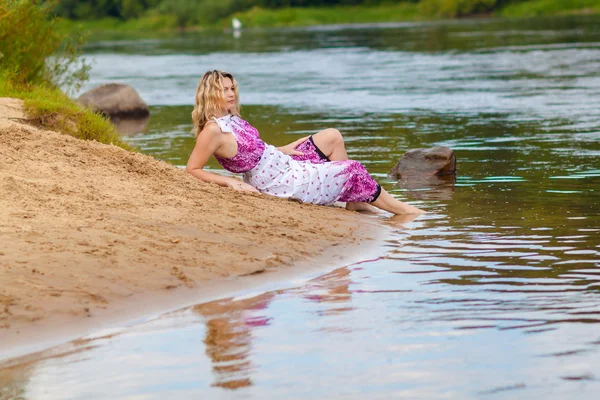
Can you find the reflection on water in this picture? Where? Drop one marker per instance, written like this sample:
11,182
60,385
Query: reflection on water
494,293
447,313
130,126
428,187
229,337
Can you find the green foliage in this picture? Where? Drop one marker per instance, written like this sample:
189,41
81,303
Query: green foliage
93,9
209,11
204,12
132,8
37,58
536,8
259,17
50,108
152,23
185,12
79,9
28,37
456,8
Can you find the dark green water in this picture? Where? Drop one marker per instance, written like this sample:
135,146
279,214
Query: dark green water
495,293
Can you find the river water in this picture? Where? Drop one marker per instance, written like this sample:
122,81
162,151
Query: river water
495,293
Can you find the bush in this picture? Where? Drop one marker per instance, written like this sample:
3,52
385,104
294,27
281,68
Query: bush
456,8
535,8
33,51
204,12
212,10
185,12
50,108
35,59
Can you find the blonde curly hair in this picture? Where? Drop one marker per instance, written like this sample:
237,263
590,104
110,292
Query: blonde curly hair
210,102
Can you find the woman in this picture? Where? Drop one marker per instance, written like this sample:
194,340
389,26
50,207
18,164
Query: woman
313,169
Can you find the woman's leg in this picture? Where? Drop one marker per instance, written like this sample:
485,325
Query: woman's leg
386,202
331,143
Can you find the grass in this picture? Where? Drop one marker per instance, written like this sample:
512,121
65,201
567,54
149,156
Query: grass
253,18
539,8
143,25
153,23
51,109
259,17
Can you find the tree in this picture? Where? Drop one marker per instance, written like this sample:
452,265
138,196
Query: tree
28,39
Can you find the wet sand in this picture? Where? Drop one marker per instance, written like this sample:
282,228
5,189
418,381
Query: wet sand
90,231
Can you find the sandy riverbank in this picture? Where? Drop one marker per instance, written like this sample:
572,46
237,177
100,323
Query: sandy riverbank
86,229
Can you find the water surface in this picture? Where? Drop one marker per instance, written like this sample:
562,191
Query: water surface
495,293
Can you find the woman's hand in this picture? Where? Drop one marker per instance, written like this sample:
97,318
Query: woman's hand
241,186
290,149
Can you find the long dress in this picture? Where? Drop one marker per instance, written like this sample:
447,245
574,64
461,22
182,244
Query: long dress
310,178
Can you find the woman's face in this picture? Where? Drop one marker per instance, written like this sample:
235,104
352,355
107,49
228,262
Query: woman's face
228,93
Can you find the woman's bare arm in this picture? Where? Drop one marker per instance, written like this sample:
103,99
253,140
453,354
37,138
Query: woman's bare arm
290,149
207,142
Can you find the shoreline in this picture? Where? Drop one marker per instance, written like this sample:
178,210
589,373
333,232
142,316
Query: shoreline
93,235
301,17
30,343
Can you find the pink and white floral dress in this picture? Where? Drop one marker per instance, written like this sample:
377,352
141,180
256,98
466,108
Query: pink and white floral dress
310,178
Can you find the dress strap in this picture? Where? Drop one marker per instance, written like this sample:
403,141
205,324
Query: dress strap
224,123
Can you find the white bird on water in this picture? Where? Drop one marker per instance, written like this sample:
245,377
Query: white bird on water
236,24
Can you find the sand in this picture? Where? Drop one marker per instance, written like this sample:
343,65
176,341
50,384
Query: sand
85,228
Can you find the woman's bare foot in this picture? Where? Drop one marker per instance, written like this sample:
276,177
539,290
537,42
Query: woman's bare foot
386,202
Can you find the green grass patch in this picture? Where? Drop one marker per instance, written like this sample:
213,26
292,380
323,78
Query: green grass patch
155,25
51,109
142,26
539,8
263,18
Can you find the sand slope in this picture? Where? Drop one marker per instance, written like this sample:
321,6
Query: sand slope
84,226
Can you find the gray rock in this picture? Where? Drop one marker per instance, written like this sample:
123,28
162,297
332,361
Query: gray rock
436,161
115,100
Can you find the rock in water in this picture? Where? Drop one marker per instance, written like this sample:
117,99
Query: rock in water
115,100
425,162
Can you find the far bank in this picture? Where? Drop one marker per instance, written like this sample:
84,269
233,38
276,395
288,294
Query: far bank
155,23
